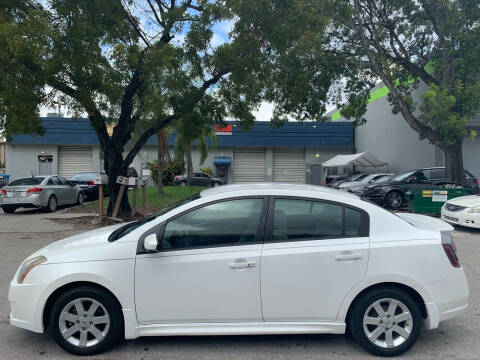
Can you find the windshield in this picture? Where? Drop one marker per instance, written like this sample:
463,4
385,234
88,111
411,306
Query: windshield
381,179
27,181
128,228
83,177
402,177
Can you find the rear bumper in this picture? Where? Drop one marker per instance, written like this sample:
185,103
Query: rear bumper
28,201
450,298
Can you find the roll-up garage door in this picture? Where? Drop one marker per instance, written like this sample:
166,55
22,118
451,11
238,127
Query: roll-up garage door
74,159
248,165
289,165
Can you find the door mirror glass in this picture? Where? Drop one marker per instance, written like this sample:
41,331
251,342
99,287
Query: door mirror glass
151,243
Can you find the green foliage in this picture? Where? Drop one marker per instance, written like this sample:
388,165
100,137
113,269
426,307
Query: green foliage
170,170
207,170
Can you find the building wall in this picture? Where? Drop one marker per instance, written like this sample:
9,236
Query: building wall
22,160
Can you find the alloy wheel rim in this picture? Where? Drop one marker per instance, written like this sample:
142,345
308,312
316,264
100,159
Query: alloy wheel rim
84,322
80,199
53,204
395,200
387,323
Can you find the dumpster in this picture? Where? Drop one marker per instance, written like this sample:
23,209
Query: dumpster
429,200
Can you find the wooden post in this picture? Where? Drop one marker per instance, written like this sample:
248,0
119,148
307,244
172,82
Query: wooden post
100,202
134,201
123,182
144,199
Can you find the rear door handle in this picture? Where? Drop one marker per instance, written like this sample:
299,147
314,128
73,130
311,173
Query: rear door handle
242,264
348,256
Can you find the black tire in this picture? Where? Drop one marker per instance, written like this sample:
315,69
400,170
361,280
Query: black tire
113,331
363,304
52,204
80,199
9,209
394,200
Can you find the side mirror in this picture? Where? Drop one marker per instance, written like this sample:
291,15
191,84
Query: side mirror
150,243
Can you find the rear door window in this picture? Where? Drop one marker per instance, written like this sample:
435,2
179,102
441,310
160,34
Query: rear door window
297,219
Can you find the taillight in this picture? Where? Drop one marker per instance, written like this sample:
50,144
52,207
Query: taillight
91,183
35,190
475,181
4,192
175,178
450,249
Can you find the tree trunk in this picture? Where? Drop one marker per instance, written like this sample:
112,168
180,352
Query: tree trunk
188,154
454,163
115,166
160,161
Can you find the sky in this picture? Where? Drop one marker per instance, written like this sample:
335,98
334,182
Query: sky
220,36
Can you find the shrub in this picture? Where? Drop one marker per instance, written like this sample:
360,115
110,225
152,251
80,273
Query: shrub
207,170
170,170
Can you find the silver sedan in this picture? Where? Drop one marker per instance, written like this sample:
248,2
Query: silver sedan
39,192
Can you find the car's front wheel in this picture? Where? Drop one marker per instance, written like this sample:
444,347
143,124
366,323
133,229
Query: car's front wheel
386,321
86,321
394,200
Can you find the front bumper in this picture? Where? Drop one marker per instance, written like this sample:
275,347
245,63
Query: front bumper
463,218
25,311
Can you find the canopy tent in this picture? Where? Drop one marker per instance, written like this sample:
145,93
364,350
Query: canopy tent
364,159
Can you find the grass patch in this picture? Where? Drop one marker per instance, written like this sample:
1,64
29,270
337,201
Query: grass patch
172,194
155,201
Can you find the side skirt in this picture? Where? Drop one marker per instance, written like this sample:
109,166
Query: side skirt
252,328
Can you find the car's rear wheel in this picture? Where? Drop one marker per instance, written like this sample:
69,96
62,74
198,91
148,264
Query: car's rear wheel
52,204
182,183
394,200
80,199
86,321
9,209
385,321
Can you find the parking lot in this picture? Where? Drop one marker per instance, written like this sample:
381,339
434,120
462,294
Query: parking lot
24,232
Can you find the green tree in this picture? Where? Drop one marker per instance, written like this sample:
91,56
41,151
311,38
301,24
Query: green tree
120,62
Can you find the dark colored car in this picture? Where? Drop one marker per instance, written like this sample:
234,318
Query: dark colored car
330,179
357,177
198,179
84,181
392,193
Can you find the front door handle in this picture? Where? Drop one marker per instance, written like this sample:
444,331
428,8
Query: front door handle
242,264
348,256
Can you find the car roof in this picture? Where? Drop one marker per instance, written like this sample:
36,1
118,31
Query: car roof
272,186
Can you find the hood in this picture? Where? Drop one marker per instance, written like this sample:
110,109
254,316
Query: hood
88,246
349,184
425,222
466,201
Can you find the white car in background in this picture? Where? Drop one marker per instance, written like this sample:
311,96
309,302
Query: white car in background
247,259
464,210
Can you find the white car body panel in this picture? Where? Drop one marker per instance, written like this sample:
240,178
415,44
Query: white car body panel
295,287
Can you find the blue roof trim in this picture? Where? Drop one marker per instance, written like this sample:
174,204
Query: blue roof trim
65,131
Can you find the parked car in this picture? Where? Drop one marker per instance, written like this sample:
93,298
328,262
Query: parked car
464,210
85,181
369,179
358,189
251,259
198,179
3,181
40,192
392,193
330,179
336,183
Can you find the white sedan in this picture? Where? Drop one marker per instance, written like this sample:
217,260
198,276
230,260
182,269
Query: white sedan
247,259
463,210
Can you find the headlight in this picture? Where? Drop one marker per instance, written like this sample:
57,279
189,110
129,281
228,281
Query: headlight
475,210
29,265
